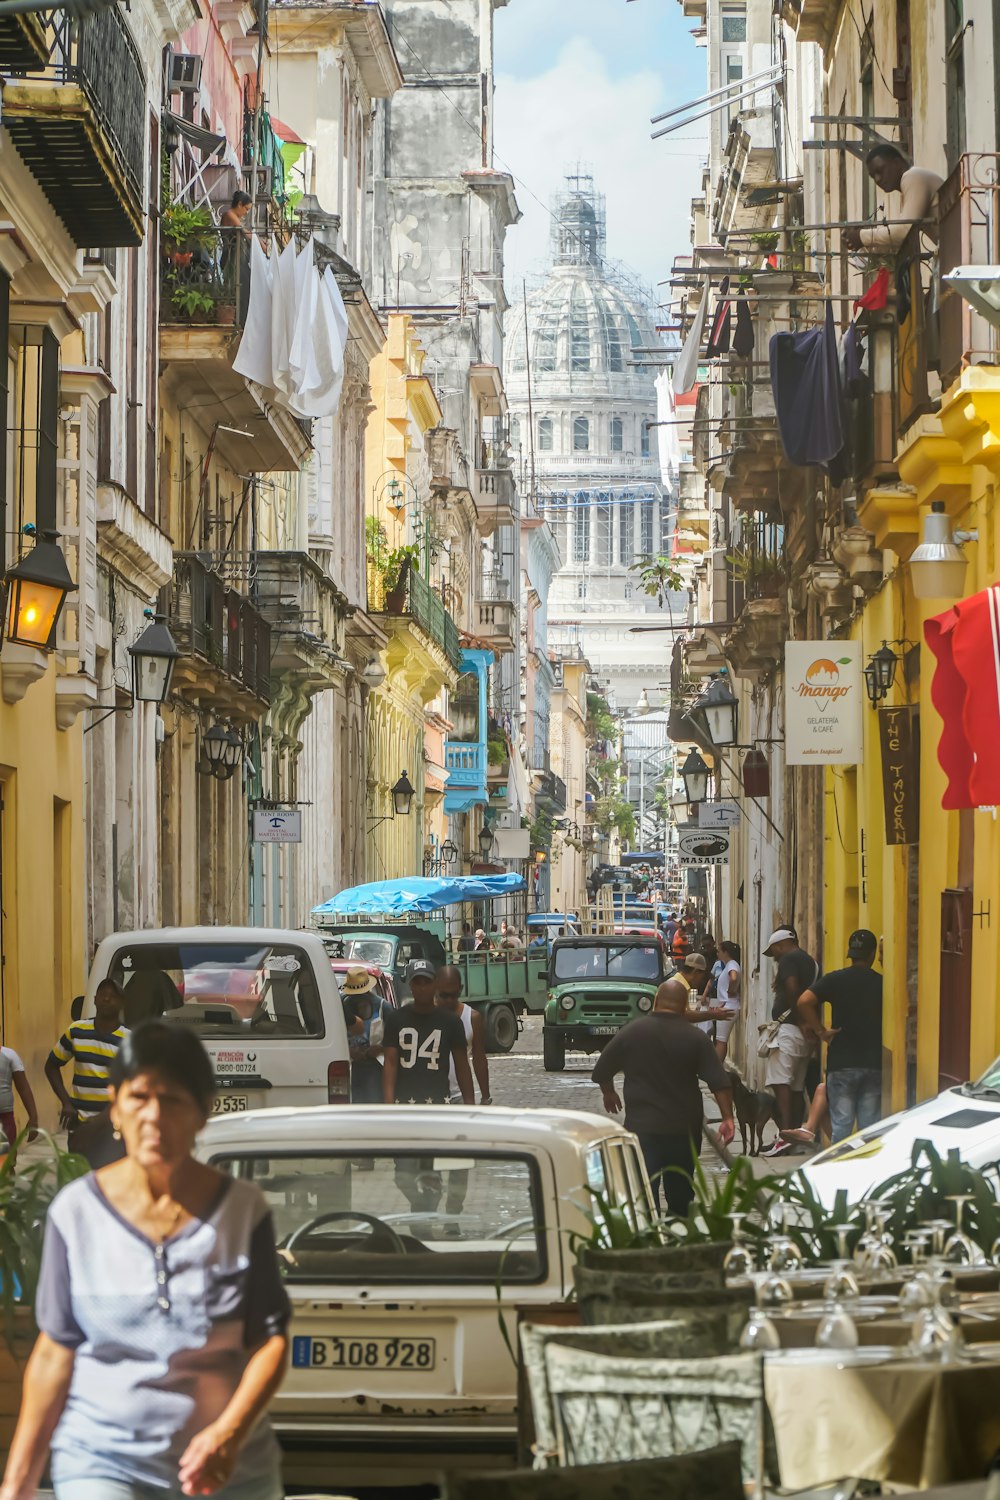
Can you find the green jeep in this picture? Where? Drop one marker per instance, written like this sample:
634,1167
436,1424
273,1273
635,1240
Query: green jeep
596,985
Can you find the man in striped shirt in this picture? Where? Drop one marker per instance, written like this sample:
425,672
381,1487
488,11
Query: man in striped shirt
90,1046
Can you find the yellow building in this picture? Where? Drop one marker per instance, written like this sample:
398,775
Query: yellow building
405,591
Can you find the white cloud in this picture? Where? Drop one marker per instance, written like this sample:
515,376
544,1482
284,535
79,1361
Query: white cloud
576,112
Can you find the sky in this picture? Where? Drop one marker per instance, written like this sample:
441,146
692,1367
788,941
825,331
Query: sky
577,82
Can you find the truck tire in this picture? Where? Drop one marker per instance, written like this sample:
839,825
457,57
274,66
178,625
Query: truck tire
553,1051
501,1028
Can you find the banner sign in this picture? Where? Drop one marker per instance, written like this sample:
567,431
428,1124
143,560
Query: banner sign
702,846
277,825
823,703
718,814
899,739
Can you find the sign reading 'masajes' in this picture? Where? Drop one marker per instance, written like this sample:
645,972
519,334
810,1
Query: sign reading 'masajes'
823,703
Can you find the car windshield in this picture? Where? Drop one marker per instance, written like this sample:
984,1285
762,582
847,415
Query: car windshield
989,1080
369,950
223,989
408,1216
607,961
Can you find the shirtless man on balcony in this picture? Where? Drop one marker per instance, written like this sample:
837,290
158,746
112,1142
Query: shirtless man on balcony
888,169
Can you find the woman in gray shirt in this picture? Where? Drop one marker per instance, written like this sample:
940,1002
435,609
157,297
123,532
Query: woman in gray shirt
161,1311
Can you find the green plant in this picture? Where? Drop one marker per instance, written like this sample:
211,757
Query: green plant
600,721
187,226
717,1199
376,541
497,753
26,1190
659,576
766,241
758,571
399,560
192,300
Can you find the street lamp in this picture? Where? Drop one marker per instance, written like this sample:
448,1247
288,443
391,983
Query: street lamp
485,840
449,852
880,673
36,590
222,749
643,706
694,774
153,656
373,675
719,708
937,566
403,794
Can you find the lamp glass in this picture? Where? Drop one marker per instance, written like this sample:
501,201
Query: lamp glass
449,851
885,662
33,609
694,774
485,840
232,749
873,686
213,746
937,578
721,720
153,657
403,794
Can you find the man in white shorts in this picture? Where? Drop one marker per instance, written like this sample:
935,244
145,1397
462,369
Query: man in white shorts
792,1050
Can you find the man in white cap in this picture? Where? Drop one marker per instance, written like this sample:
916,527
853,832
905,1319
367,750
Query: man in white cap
793,1048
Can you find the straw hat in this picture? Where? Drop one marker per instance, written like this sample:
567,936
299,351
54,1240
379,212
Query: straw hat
358,982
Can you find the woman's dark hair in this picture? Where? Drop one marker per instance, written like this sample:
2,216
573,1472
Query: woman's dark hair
170,1049
239,198
733,949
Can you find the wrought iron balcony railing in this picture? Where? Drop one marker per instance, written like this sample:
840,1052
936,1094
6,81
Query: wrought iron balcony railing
219,625
206,279
413,596
79,122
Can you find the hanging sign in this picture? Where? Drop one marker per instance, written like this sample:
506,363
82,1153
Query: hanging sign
277,825
718,814
899,739
702,846
823,703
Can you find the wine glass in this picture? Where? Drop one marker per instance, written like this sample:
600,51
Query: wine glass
870,1238
760,1333
936,1334
775,1293
785,1254
841,1286
995,1252
960,1249
739,1261
837,1329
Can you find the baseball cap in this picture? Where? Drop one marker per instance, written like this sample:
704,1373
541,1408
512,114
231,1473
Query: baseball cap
780,935
695,961
862,943
421,968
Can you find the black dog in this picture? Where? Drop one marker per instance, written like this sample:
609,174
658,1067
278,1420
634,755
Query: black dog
754,1107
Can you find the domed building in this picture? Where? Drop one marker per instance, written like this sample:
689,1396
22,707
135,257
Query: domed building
581,357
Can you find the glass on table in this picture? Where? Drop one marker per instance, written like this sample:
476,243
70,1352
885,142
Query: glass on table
760,1332
937,1334
841,1286
960,1249
739,1260
836,1329
785,1254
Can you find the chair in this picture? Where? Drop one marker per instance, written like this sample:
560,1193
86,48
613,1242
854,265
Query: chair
713,1474
673,1339
609,1409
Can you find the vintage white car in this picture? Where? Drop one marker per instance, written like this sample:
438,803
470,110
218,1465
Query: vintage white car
396,1226
965,1118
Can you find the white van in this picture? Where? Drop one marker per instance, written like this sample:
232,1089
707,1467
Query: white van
263,1000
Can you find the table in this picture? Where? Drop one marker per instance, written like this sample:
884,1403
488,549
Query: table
908,1422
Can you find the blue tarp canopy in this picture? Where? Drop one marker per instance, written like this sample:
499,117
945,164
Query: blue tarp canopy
422,893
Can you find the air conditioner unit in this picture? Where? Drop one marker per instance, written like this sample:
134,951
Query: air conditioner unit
263,182
185,72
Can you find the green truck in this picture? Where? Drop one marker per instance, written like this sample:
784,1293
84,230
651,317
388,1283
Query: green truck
501,986
596,985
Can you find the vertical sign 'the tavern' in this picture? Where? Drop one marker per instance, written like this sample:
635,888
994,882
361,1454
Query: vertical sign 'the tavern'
899,737
823,697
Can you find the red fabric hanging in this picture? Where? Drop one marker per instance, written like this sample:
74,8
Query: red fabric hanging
877,294
965,690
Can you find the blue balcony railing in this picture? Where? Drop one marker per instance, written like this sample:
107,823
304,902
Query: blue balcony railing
466,764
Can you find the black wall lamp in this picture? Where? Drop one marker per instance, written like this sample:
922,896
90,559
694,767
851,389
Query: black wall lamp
221,751
35,591
402,795
880,673
695,774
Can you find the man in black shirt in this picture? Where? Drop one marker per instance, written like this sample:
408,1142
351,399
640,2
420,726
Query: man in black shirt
663,1057
854,1054
420,1040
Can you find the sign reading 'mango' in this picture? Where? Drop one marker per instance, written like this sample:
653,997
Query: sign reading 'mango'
823,703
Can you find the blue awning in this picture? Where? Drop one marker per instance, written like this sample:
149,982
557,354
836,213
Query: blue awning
422,893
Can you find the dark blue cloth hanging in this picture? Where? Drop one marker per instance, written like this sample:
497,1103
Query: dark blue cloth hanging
808,397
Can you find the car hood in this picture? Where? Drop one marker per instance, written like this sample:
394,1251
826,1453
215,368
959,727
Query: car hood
951,1120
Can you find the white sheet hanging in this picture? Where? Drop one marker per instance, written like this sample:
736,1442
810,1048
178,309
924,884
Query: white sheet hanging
283,319
253,357
686,368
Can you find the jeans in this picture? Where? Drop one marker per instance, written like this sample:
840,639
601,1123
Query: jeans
263,1487
661,1152
853,1094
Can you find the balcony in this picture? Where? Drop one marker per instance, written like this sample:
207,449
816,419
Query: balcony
23,43
467,759
78,120
497,623
496,492
413,599
812,20
550,793
204,294
225,643
750,158
304,609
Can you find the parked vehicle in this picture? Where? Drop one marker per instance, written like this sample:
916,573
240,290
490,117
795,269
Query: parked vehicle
596,985
965,1119
398,1230
385,988
264,1001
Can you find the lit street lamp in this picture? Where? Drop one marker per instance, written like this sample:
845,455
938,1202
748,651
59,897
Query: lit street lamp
36,590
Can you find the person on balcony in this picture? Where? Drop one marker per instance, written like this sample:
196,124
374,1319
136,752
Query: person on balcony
918,188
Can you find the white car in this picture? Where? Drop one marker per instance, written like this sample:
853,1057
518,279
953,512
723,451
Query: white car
396,1226
965,1118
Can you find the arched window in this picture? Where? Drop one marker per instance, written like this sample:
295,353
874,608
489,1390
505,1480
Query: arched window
581,435
616,434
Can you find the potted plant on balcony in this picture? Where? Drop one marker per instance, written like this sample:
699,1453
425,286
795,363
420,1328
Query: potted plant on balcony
193,303
185,230
761,574
397,565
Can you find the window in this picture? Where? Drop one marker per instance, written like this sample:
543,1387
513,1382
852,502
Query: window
647,513
581,527
604,514
616,434
955,64
579,335
734,26
545,434
644,437
515,433
626,521
581,435
461,1217
241,991
545,349
628,960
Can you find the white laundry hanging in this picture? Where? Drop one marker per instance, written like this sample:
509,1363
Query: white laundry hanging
686,368
253,357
